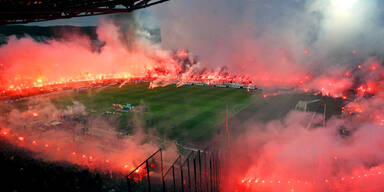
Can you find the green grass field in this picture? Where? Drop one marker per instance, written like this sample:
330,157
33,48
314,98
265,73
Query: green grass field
187,114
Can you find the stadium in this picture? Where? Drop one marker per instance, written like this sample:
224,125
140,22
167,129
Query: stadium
191,96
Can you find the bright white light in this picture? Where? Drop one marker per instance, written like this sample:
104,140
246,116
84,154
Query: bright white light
343,4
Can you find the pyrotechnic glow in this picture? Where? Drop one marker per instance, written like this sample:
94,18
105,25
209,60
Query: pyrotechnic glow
331,86
163,68
342,183
4,133
90,158
157,77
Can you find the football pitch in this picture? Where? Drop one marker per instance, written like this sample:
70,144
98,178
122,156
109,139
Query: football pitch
187,114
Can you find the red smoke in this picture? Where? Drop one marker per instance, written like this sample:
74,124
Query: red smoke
98,149
288,156
284,156
48,67
29,67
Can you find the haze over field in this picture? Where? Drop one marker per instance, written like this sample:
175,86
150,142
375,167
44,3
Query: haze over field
332,47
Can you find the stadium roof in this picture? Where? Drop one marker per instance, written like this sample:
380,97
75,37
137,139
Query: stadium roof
25,11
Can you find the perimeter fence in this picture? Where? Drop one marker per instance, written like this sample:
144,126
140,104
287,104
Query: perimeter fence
197,171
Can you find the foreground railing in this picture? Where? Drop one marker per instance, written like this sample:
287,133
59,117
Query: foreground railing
197,171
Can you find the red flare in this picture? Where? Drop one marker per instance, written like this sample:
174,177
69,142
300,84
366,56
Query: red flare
348,73
4,133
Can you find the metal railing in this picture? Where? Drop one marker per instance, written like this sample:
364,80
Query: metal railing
148,175
199,171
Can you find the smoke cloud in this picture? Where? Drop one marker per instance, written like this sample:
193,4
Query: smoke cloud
335,45
72,135
287,155
26,63
275,42
330,46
